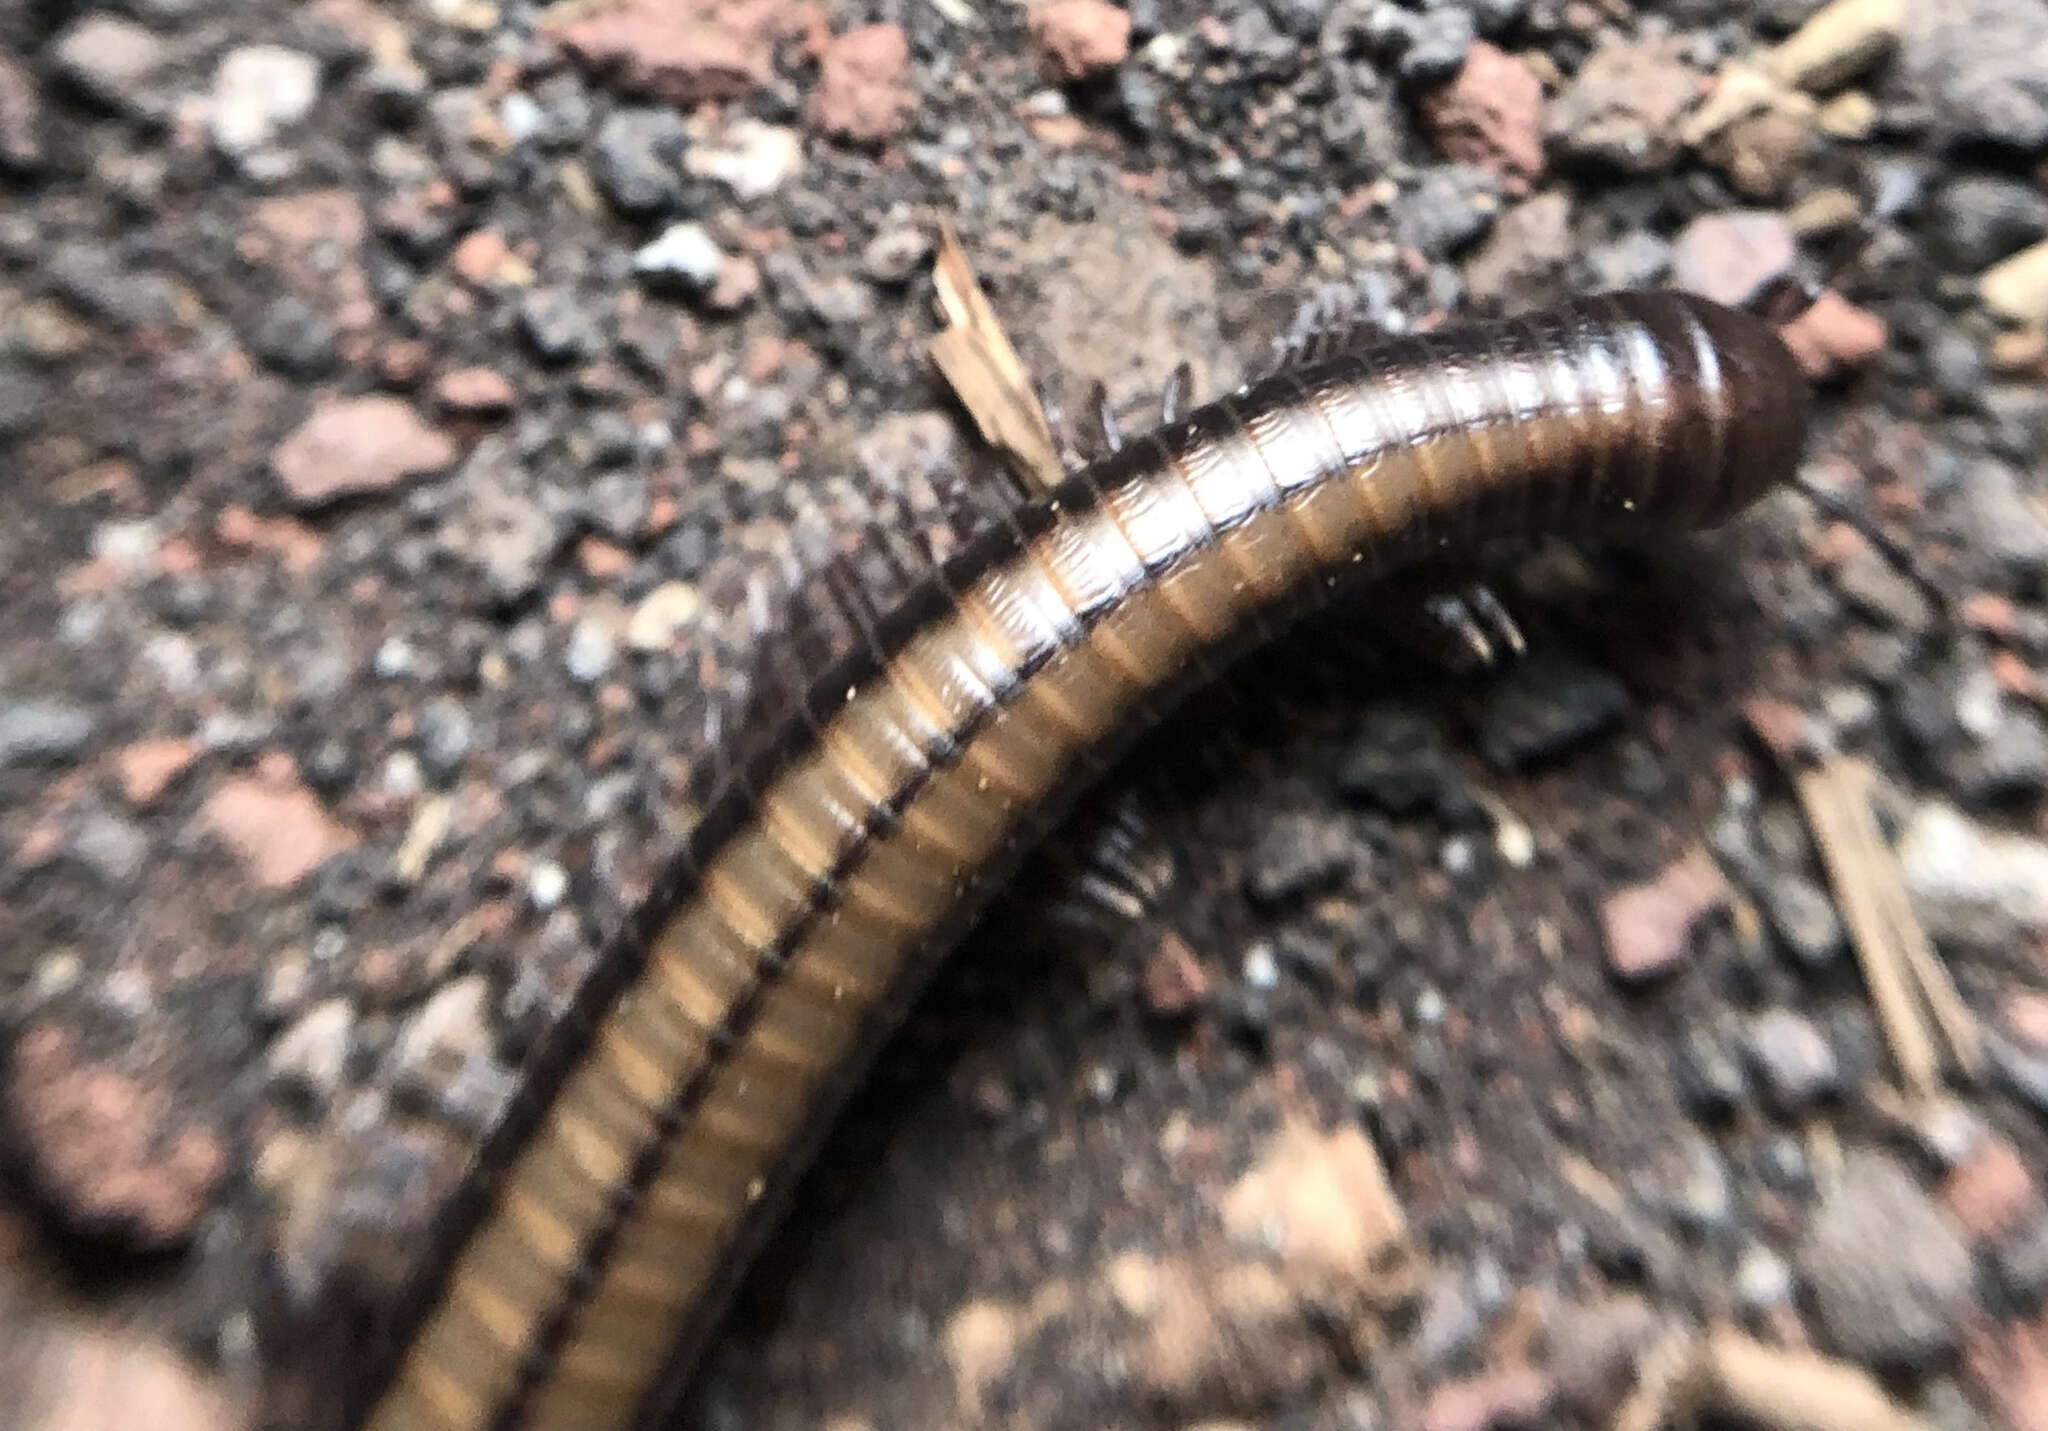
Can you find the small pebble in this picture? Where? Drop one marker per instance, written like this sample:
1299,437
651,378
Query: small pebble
1621,110
258,92
115,849
1833,336
547,885
1482,105
296,338
683,256
475,392
2004,521
560,325
1295,854
1648,927
39,732
894,255
1730,256
662,614
111,60
1763,1280
1261,969
1970,885
1781,1163
1173,983
1709,1077
2017,289
356,446
1792,1059
1080,40
750,158
1977,65
1804,919
1440,47
309,1059
1903,1308
1450,209
637,160
1839,43
1546,705
592,648
1399,762
863,94
1975,220
1529,249
446,734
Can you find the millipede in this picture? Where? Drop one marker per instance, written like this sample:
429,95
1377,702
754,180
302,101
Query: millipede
589,1251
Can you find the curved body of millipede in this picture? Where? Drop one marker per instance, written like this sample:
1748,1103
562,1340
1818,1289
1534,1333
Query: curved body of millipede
589,1252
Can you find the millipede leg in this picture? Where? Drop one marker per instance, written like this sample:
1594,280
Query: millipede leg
1496,618
1337,318
1469,629
1105,417
1063,440
1173,398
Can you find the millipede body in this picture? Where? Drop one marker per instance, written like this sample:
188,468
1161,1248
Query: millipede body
590,1250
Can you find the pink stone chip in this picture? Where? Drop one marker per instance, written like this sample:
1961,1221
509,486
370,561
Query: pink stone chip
355,445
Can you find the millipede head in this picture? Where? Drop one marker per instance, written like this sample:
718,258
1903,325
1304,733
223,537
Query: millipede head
1738,408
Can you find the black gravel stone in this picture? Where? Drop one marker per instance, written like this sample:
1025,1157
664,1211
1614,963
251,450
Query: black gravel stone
447,733
1247,1017
1978,219
2019,1268
1546,706
22,398
1450,209
2019,421
1709,1076
41,732
1301,18
1436,48
1976,65
637,163
1782,1164
296,338
1903,1306
1399,762
1956,363
343,887
186,601
1296,854
1497,19
2022,1072
330,767
2004,522
1804,919
1793,1060
560,325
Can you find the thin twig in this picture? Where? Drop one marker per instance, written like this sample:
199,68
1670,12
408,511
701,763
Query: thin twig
983,369
1914,994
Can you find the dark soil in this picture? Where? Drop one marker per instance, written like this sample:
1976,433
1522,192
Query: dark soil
371,529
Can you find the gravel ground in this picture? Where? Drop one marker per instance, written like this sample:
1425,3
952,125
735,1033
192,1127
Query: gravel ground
398,401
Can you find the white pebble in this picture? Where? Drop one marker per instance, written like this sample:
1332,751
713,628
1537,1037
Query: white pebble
547,885
521,116
683,252
1261,970
258,92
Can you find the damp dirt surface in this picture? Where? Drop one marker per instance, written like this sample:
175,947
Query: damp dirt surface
407,409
